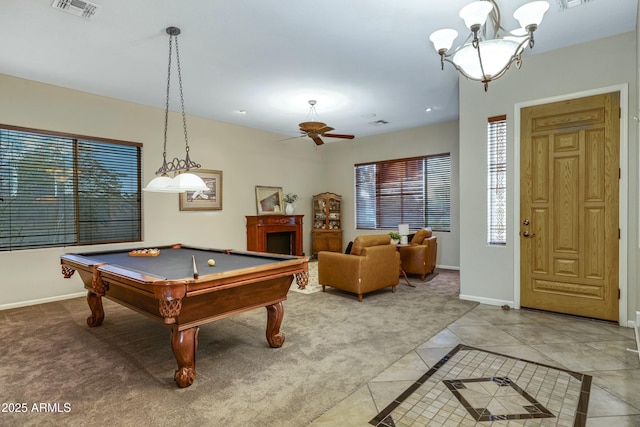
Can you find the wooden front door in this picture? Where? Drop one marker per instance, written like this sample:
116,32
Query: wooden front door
569,185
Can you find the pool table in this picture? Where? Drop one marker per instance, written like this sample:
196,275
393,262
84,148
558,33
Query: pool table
178,288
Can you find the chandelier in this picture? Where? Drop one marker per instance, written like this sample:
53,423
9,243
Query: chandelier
486,55
183,180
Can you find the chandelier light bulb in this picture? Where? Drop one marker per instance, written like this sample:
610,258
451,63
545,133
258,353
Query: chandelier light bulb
530,15
496,56
475,14
158,184
443,39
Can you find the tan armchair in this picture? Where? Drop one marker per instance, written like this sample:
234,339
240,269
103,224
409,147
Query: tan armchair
420,256
372,264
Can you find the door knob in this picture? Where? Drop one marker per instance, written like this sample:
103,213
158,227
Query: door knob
527,234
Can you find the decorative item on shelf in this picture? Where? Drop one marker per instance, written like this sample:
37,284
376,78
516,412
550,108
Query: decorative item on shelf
208,200
290,203
395,237
403,231
269,200
487,59
183,180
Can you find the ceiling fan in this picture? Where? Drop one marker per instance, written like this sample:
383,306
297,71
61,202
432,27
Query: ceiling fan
315,129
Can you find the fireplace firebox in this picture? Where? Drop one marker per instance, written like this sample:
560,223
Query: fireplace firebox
281,234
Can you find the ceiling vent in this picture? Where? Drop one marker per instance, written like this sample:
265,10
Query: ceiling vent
84,9
379,123
568,4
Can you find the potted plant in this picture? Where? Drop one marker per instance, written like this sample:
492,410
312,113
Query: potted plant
290,202
395,237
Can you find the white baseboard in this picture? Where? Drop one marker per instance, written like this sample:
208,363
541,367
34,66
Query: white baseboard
448,267
41,301
488,301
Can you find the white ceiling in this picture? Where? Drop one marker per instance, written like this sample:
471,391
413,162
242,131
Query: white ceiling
362,60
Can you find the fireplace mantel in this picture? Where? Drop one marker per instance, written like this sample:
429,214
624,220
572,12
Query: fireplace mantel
279,226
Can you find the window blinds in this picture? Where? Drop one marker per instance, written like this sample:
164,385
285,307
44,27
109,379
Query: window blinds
414,191
58,190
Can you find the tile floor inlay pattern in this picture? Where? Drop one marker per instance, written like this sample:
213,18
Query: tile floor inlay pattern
470,385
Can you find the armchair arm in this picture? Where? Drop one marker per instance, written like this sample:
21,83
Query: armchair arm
338,269
413,257
421,258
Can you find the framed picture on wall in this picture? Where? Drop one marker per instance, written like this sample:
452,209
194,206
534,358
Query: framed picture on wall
209,200
269,200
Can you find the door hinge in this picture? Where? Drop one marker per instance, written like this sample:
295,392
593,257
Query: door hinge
619,235
618,293
619,173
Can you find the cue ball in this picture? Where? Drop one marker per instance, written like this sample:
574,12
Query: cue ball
211,262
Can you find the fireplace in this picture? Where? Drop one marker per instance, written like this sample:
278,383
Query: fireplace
281,234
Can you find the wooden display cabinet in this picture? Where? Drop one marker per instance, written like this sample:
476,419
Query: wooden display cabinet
326,234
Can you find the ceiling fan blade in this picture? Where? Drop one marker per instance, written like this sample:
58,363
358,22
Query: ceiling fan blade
324,129
316,139
293,137
338,135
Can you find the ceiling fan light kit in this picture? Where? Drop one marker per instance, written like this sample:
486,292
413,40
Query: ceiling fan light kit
183,180
485,59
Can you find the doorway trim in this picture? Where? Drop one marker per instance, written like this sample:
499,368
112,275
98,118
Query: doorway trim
624,184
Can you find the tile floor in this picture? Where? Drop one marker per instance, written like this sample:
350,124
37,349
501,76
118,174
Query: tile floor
595,348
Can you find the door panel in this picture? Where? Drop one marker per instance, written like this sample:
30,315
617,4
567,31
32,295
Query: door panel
569,206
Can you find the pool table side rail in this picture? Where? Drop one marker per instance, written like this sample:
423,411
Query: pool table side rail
162,288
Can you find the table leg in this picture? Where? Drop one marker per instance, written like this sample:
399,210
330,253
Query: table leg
302,279
185,346
97,312
275,313
406,279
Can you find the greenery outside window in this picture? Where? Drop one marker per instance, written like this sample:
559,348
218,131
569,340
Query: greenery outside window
497,181
59,189
414,191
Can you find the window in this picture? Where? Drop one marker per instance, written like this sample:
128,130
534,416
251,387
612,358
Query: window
58,190
415,191
497,180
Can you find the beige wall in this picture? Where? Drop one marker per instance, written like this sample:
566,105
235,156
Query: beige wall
434,139
488,274
247,158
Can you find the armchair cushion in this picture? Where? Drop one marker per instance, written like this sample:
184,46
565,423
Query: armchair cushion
362,242
421,234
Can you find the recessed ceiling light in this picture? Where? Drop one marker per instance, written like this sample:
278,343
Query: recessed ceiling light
368,116
428,109
242,111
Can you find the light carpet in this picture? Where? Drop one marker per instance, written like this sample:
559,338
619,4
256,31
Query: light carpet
121,373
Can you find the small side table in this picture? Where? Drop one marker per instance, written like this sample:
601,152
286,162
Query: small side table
402,272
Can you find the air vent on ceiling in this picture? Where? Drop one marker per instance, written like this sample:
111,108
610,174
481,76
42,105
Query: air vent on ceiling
379,123
568,4
80,8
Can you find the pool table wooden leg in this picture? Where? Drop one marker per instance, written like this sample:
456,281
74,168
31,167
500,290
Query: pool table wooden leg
275,313
97,312
185,346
